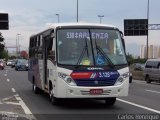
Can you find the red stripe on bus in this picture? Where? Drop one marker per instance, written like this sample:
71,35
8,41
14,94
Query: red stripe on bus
81,75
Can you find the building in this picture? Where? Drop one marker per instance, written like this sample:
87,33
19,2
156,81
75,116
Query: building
153,51
143,51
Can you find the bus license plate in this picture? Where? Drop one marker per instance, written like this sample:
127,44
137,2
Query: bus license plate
96,91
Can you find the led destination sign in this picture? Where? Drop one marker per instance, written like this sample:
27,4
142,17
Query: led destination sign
83,35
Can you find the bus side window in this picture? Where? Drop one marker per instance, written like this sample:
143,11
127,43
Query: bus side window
51,49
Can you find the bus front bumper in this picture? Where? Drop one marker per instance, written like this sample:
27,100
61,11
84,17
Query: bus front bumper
93,92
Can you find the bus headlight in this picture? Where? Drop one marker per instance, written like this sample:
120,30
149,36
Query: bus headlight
66,78
122,78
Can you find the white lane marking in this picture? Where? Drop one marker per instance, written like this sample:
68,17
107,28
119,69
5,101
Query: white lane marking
153,91
5,113
12,103
19,102
13,90
8,80
23,105
140,106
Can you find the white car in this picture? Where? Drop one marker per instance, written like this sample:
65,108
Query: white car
9,62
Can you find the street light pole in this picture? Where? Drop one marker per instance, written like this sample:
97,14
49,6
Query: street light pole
147,27
17,44
58,17
77,11
100,16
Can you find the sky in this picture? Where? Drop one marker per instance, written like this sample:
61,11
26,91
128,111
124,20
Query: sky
28,17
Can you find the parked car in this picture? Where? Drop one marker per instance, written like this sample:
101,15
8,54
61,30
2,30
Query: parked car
152,70
9,62
13,63
1,65
21,64
136,71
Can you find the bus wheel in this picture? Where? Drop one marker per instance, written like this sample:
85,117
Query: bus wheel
148,79
35,88
110,101
53,99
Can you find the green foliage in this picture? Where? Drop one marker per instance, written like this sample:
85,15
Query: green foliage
12,57
131,59
1,40
1,37
3,54
140,60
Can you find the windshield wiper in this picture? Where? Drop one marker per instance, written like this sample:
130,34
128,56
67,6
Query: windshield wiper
83,52
102,53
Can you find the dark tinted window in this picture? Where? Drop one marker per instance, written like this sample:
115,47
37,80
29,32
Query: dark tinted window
155,64
152,64
149,64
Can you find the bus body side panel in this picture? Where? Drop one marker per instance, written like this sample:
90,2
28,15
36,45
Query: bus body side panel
30,70
52,74
34,72
63,90
40,74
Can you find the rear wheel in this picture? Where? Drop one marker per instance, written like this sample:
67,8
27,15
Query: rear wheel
110,101
148,80
36,90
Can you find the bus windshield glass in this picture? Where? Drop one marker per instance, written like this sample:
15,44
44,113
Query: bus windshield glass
90,47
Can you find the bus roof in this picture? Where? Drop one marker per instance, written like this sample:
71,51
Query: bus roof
79,24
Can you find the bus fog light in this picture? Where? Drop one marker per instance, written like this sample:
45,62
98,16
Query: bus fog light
70,91
119,90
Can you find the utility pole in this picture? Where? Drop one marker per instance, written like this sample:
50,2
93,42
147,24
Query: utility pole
147,28
17,44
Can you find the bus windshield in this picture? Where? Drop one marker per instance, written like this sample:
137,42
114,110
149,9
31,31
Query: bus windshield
90,47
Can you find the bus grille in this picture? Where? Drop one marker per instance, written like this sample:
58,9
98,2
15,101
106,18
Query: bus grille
90,83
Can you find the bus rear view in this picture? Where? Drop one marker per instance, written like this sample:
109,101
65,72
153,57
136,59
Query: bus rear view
89,62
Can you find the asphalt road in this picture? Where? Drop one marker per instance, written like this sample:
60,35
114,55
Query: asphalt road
17,101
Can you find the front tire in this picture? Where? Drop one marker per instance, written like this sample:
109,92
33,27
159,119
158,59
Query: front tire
110,101
53,99
148,80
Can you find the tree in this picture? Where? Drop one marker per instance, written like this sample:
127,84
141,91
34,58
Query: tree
1,40
130,58
4,54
